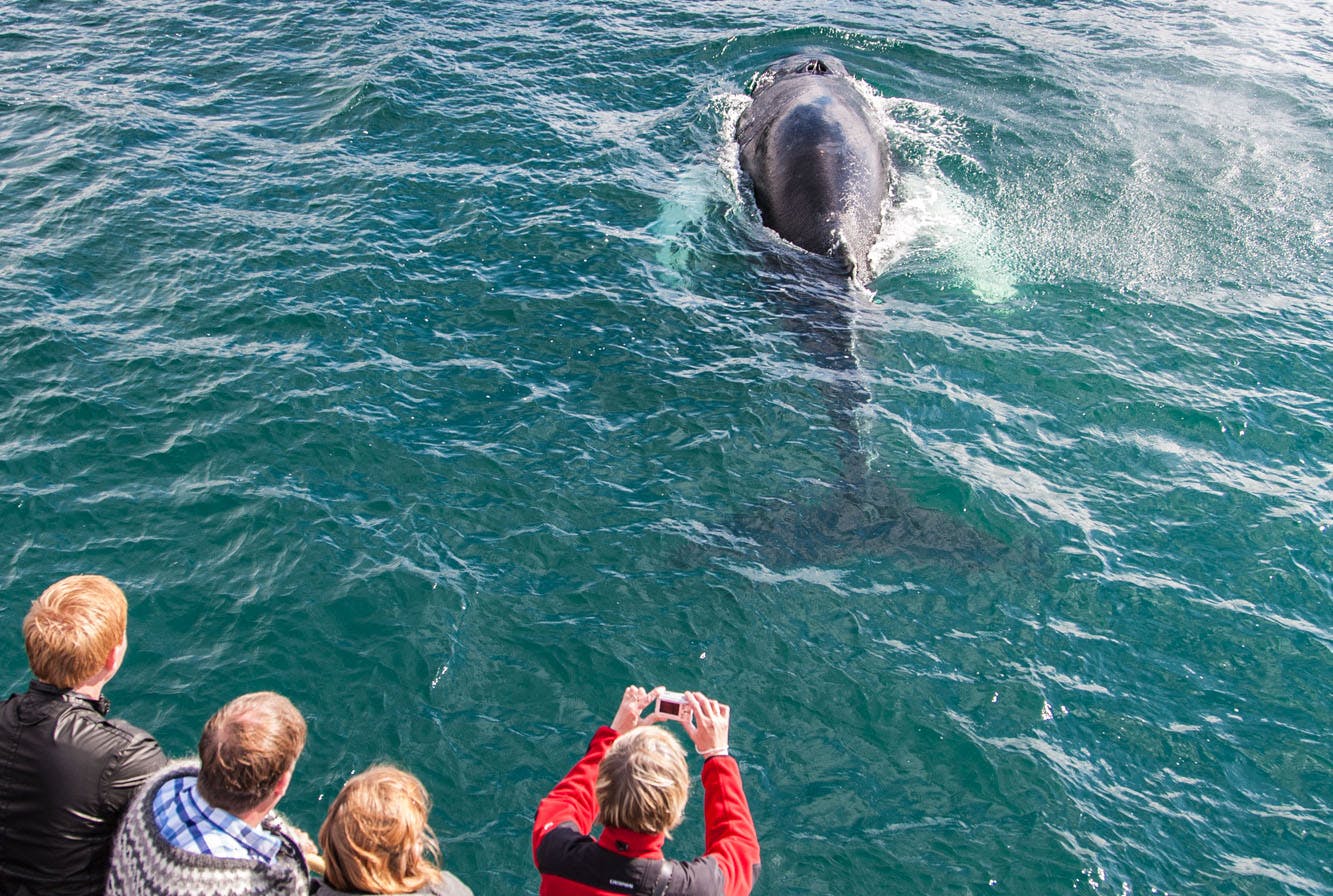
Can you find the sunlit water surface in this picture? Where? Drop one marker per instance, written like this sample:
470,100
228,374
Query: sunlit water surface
427,362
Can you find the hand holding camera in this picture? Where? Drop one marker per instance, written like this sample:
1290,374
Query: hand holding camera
632,704
707,723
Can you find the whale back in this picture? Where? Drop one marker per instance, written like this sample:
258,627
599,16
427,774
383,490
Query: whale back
817,158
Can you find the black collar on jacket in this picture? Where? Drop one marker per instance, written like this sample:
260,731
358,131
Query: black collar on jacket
100,705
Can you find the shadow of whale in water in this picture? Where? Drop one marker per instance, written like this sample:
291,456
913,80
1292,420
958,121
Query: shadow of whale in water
837,524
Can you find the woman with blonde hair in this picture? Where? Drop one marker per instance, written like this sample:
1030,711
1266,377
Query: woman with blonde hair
376,839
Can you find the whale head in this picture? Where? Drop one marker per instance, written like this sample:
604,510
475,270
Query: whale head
799,65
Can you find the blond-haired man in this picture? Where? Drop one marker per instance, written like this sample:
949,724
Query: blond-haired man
66,771
635,779
207,827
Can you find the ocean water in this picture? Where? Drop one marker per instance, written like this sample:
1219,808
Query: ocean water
428,363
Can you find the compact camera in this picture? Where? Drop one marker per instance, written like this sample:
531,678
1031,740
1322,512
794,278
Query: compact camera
669,703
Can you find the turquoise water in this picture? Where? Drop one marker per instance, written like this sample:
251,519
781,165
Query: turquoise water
426,362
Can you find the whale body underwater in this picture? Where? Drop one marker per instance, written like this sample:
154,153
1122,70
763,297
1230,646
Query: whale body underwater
818,159
817,156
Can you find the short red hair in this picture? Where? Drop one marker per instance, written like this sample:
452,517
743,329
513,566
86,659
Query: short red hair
73,627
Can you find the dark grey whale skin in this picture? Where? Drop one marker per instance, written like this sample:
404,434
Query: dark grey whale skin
818,160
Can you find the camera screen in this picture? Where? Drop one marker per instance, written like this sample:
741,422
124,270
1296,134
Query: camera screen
671,709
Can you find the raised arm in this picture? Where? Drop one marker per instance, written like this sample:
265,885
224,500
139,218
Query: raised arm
729,833
573,799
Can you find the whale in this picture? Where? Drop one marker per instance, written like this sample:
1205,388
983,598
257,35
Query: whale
813,150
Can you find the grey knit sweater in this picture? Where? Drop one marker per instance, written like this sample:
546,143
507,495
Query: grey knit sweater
144,864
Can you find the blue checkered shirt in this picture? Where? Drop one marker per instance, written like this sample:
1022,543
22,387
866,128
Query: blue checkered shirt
188,822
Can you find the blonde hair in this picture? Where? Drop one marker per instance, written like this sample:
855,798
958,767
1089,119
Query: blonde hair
246,748
73,627
643,782
376,837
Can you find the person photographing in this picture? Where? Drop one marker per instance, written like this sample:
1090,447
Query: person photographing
634,779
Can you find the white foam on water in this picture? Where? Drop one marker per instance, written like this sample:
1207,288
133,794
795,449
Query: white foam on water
930,214
731,107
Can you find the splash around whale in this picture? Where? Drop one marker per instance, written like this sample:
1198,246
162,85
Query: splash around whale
818,159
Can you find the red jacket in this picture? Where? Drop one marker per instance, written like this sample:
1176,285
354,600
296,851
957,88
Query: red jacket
626,863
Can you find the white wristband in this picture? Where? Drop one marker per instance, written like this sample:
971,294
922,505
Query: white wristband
716,751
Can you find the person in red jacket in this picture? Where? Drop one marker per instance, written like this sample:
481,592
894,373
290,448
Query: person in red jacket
634,780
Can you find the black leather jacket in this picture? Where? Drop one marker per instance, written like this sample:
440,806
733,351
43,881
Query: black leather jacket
66,775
